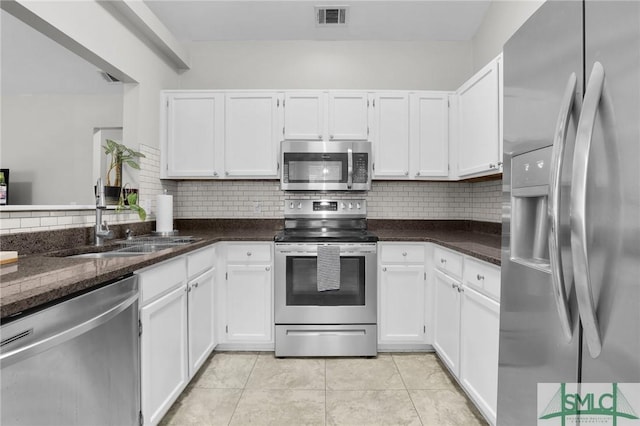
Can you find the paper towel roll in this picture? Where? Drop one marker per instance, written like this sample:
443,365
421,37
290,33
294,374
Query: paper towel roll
164,215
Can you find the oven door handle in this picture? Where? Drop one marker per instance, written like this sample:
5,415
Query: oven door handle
349,168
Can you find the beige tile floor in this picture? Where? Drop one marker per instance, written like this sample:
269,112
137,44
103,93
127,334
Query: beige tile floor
240,388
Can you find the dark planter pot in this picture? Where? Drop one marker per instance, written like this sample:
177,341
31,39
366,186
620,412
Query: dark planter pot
111,194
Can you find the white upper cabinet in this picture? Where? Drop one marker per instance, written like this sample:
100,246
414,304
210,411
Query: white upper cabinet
304,115
319,115
194,131
390,136
348,116
252,134
479,122
429,135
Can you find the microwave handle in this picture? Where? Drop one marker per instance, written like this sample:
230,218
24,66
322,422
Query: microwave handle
349,168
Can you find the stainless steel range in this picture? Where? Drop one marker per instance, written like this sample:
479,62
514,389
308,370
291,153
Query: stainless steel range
325,280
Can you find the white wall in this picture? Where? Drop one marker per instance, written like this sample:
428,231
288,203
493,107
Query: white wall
327,65
50,155
105,39
503,18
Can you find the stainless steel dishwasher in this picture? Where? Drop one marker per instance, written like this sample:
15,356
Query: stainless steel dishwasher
74,363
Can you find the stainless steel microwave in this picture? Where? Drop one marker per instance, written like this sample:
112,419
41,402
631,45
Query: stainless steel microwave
326,166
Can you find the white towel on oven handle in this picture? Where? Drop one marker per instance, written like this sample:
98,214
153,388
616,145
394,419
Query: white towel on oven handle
328,269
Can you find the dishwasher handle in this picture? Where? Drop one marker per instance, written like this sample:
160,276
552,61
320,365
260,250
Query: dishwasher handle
48,342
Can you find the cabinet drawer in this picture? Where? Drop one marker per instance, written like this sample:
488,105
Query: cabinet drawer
200,260
249,253
448,261
401,253
482,275
158,279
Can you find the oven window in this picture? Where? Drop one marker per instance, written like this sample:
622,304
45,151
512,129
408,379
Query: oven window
302,284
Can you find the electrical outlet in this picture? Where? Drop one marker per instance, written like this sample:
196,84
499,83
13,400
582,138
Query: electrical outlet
257,207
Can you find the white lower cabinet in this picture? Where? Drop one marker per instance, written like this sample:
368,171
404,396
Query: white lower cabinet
479,334
249,303
163,347
177,327
201,319
446,334
248,307
402,309
467,325
401,295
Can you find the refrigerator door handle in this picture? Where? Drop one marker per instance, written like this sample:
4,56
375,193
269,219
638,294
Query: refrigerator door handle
555,259
579,250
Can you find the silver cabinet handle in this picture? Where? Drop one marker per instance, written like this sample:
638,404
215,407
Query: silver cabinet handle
384,269
226,173
555,259
215,173
417,174
579,251
480,277
331,137
268,268
406,173
248,253
460,289
195,285
443,260
404,253
320,137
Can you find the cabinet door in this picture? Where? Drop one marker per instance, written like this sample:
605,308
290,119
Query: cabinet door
401,304
429,134
304,115
348,116
479,144
391,135
195,128
446,338
249,303
163,349
251,135
201,319
479,336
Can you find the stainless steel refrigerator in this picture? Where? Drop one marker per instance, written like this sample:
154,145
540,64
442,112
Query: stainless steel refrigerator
570,302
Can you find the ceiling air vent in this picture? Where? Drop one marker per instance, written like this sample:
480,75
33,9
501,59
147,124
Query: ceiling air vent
331,15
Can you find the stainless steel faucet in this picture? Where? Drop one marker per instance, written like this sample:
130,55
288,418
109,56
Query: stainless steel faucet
102,229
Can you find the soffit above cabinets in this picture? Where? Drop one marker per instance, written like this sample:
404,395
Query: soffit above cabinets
243,20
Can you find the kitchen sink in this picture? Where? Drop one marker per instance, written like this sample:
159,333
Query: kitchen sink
130,247
106,255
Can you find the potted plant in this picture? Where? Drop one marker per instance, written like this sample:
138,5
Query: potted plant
119,154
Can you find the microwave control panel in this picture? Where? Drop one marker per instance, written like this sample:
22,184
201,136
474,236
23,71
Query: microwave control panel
360,167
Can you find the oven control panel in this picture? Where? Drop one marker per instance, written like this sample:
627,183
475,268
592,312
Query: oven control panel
325,208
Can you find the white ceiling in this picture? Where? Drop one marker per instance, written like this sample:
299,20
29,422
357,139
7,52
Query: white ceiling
226,20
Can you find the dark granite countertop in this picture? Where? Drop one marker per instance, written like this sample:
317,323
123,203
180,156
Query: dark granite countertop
45,277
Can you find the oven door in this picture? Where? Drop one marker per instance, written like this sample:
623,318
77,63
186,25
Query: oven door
297,299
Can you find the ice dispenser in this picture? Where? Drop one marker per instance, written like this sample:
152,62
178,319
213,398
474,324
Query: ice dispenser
529,206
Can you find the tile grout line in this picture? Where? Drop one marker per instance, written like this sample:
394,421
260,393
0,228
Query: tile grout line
393,358
244,387
325,392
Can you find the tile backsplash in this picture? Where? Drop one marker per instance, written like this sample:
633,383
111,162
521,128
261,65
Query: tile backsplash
480,201
387,200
